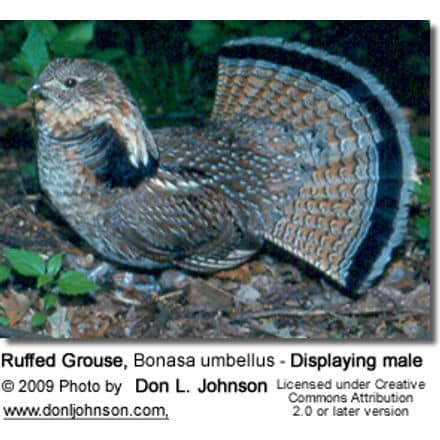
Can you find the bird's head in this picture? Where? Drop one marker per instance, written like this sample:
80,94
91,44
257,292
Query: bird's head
68,83
73,96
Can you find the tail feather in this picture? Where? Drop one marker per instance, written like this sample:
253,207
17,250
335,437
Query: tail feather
352,211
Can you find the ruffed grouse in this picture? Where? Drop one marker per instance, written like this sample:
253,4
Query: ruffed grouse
303,149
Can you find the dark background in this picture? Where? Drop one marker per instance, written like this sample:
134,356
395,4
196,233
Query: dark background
170,65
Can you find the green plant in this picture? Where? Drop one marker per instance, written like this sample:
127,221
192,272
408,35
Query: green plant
4,319
423,224
208,35
421,146
49,278
422,190
164,83
159,82
5,272
44,40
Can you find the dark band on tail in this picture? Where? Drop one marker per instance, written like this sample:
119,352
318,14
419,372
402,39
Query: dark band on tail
388,219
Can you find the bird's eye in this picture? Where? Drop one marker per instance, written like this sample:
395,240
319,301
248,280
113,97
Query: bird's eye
70,83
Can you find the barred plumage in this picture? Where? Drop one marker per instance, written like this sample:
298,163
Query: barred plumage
303,149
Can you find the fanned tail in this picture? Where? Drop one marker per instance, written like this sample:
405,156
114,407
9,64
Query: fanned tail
351,211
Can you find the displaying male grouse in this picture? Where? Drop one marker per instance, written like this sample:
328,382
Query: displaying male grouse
303,149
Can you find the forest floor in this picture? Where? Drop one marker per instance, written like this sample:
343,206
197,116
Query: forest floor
269,297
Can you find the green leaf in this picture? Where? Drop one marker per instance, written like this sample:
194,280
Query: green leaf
26,263
238,25
44,280
54,264
424,227
108,55
206,35
306,35
38,320
323,24
34,56
29,170
421,146
75,283
49,301
4,320
73,39
10,94
47,28
5,271
423,191
283,29
24,83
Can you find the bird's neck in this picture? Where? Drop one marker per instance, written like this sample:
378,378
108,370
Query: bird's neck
68,166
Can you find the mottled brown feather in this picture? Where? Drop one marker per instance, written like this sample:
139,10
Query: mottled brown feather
294,154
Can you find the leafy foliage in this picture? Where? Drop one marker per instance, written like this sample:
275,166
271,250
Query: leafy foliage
49,279
75,283
5,272
424,228
49,301
208,36
421,146
423,189
170,65
48,29
4,320
44,40
26,263
11,94
31,264
29,170
34,55
38,320
72,40
54,265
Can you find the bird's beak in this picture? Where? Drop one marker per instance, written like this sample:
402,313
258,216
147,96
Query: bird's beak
35,90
